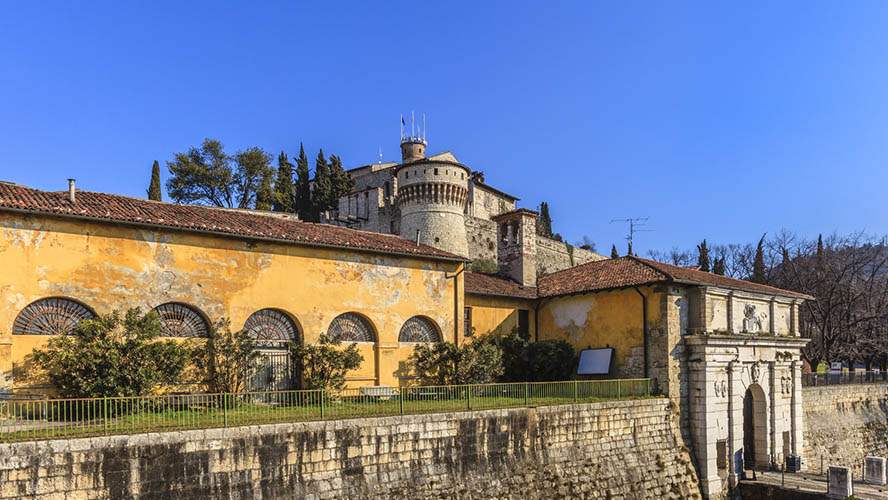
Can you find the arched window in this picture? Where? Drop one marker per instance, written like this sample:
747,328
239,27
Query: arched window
351,327
271,324
179,320
54,316
419,329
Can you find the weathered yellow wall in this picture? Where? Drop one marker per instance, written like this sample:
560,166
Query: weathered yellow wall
109,266
599,320
498,315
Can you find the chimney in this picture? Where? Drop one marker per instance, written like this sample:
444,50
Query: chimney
516,248
71,190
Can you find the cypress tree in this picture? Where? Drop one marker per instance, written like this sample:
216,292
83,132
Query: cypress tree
265,192
614,253
302,194
786,275
758,264
544,221
284,191
323,187
703,257
154,191
718,266
341,183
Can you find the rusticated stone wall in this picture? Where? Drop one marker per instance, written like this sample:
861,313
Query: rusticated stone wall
615,450
844,424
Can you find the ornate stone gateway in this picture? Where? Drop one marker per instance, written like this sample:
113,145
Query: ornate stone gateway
745,397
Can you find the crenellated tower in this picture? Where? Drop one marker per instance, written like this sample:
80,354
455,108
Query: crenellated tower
432,197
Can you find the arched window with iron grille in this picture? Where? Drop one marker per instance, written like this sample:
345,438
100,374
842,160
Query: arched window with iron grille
180,320
52,316
419,329
271,325
351,327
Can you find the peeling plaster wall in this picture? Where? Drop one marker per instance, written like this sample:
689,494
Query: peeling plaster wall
603,319
109,266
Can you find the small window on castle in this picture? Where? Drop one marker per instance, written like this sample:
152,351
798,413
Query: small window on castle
436,171
388,190
462,176
406,174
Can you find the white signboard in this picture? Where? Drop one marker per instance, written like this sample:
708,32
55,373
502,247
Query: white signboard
595,361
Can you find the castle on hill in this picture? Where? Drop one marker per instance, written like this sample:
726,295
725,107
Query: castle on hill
438,201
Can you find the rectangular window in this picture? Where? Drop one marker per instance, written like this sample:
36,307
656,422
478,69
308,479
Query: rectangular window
436,171
524,324
467,318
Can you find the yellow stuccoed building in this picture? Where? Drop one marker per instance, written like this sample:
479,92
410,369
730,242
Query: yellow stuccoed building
63,261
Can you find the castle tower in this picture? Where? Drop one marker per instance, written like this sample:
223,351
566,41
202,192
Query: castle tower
516,249
432,197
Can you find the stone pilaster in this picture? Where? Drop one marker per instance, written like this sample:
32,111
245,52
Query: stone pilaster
735,423
704,411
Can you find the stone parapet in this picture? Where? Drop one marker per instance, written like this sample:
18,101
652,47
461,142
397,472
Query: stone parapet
627,449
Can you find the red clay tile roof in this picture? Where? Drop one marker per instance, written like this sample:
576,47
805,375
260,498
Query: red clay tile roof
485,284
693,275
599,275
123,209
631,271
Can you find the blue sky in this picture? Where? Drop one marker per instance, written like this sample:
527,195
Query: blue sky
714,119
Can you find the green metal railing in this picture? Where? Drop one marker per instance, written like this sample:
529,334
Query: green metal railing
36,419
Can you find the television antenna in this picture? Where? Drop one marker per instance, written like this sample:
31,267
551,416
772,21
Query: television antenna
634,223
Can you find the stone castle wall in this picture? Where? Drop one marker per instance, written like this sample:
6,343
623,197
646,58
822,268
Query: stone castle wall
616,450
481,235
553,255
845,423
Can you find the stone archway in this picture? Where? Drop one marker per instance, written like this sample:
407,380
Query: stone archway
755,428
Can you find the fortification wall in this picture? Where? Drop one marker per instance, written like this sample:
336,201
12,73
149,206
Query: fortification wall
481,235
845,423
616,450
553,255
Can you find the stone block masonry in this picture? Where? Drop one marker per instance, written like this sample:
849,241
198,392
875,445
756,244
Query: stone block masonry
844,424
615,450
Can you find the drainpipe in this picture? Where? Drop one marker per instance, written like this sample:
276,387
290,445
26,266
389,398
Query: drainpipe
457,314
646,334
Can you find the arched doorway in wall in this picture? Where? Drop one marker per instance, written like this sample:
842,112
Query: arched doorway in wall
272,331
755,431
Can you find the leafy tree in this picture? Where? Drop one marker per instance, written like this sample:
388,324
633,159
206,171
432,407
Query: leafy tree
154,191
703,256
253,178
445,363
302,201
341,184
758,264
586,244
544,221
226,357
210,176
111,356
614,253
323,187
718,267
284,190
325,364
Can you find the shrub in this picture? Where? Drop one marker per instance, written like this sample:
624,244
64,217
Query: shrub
112,356
226,357
325,364
485,266
444,363
525,361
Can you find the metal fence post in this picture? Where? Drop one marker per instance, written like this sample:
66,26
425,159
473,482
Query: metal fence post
323,392
225,409
618,390
105,414
468,397
576,391
525,384
401,399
